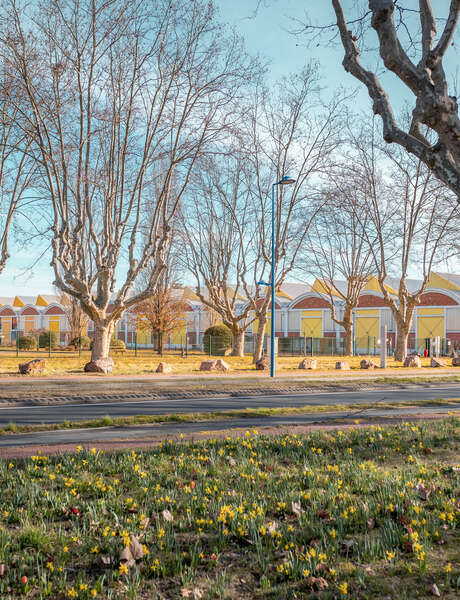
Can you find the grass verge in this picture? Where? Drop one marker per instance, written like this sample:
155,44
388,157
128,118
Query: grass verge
108,421
360,513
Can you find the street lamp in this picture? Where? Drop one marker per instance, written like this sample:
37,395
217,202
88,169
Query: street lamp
283,181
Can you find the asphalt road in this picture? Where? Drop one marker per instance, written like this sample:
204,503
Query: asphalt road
33,415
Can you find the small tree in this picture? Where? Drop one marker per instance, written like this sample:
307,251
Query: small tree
217,339
163,313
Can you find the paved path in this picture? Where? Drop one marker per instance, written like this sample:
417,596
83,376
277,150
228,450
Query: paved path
33,415
165,430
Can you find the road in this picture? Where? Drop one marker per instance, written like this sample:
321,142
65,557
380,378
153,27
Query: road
35,415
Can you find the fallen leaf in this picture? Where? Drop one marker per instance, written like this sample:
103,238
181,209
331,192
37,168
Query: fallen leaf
105,559
323,514
371,523
428,451
423,492
231,461
297,508
2,569
317,582
167,516
136,548
435,590
127,557
144,523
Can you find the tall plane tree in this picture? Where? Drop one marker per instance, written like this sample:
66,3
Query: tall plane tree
414,221
122,98
293,132
337,251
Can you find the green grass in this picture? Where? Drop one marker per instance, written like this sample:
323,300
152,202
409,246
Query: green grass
109,421
360,513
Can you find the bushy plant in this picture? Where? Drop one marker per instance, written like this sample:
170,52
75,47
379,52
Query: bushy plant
116,343
48,338
82,340
217,339
27,342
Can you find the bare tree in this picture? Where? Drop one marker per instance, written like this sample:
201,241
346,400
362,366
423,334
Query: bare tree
291,132
417,60
16,165
122,98
415,220
217,241
337,252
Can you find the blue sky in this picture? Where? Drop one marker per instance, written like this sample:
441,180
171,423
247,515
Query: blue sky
267,32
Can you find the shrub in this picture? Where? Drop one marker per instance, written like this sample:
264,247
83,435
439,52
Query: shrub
48,338
217,339
116,343
83,340
27,342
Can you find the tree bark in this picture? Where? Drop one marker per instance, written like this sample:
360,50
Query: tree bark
402,337
347,324
101,341
238,343
259,346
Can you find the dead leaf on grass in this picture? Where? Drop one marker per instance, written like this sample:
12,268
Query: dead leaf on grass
2,569
371,523
132,553
318,583
167,516
297,508
435,590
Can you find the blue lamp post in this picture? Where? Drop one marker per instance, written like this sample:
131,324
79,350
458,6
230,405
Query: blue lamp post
283,181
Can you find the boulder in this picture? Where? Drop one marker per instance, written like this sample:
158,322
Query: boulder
308,363
33,367
164,367
413,362
262,364
208,365
456,361
102,365
221,365
437,362
367,364
342,365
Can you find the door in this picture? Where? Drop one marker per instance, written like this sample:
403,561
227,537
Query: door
312,323
366,330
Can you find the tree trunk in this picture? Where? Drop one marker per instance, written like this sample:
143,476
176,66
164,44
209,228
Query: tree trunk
238,343
348,326
101,341
259,345
402,337
349,339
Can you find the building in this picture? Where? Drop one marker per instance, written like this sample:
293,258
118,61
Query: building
302,318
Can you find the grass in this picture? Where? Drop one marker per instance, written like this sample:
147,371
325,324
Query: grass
360,513
146,363
109,421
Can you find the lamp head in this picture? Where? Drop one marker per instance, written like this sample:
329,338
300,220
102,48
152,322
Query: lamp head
286,180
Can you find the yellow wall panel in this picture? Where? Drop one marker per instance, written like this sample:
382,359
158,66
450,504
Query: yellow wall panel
430,311
429,327
312,327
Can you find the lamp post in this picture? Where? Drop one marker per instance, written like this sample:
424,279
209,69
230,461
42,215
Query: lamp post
283,181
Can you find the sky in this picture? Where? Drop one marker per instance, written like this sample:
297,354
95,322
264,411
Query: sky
267,27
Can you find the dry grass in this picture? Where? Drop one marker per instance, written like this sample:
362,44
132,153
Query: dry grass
147,362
